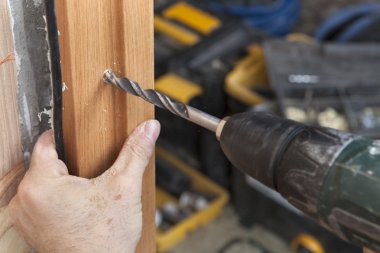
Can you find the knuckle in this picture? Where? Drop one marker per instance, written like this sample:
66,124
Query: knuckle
116,185
139,152
140,147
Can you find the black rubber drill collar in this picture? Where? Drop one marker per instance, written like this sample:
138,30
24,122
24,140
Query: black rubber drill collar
254,142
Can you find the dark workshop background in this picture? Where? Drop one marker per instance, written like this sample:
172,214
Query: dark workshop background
205,205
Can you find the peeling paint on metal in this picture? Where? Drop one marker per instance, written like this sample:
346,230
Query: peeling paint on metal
34,78
47,112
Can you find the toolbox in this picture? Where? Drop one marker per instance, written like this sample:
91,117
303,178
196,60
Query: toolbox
247,84
175,234
179,25
331,85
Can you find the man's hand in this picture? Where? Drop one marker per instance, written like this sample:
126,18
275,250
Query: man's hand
56,212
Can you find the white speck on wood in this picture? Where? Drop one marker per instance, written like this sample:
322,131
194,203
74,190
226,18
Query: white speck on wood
64,87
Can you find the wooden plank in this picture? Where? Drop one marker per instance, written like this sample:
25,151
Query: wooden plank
96,35
10,144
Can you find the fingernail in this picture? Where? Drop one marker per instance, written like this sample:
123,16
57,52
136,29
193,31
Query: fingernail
151,129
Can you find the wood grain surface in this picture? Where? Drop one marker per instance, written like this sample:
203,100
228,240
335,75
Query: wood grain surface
96,35
11,168
10,144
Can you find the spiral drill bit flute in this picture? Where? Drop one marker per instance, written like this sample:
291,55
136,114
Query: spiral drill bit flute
154,97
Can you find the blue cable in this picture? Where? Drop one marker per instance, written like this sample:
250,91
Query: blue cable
357,27
278,24
276,18
343,16
255,10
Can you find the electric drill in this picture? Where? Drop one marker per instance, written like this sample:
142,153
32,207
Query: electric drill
332,176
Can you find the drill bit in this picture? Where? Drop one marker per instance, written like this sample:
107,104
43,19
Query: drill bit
162,101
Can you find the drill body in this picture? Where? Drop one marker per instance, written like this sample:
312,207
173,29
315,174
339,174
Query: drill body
332,176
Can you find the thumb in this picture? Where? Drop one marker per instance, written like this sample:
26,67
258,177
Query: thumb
137,150
45,158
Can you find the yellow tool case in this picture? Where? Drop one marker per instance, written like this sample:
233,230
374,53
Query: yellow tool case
179,25
247,84
169,238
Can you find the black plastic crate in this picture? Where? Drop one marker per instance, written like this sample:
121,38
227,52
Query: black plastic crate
316,77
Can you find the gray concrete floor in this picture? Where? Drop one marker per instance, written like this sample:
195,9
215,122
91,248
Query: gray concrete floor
226,228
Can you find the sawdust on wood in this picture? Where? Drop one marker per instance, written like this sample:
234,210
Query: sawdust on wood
8,57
